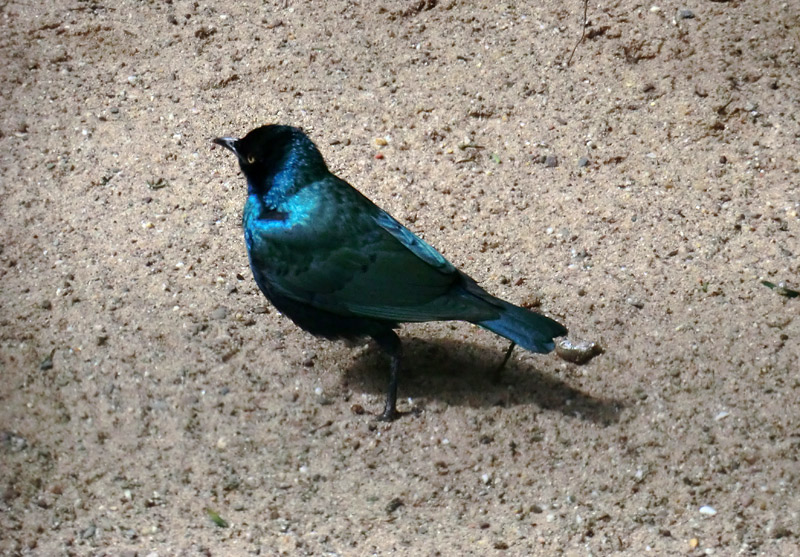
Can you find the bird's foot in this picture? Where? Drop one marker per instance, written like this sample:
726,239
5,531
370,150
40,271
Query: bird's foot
389,414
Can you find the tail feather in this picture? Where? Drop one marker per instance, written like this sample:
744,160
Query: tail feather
530,330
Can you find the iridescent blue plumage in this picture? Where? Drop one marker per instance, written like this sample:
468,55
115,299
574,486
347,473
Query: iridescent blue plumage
340,267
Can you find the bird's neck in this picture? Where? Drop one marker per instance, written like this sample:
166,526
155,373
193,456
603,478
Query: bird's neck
298,168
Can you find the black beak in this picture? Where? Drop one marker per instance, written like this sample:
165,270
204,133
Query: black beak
228,143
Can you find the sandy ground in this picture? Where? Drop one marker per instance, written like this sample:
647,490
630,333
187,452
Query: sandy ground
146,384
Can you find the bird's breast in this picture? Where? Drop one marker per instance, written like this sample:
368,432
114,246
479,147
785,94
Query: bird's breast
278,235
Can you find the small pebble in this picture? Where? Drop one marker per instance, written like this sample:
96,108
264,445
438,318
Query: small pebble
89,532
577,352
708,511
779,531
638,304
47,363
582,162
393,505
220,313
551,161
685,14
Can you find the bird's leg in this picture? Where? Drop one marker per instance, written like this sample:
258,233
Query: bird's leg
499,370
390,410
390,343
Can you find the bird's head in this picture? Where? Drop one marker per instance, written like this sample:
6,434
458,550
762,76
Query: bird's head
269,150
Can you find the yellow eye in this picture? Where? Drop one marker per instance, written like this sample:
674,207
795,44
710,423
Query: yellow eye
251,159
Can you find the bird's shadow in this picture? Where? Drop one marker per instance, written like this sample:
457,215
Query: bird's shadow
461,373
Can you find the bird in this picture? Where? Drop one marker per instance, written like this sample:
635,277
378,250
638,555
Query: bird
342,268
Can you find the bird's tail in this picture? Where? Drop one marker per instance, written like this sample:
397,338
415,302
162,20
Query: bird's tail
530,330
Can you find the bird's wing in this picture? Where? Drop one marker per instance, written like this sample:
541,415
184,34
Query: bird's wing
414,243
355,259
